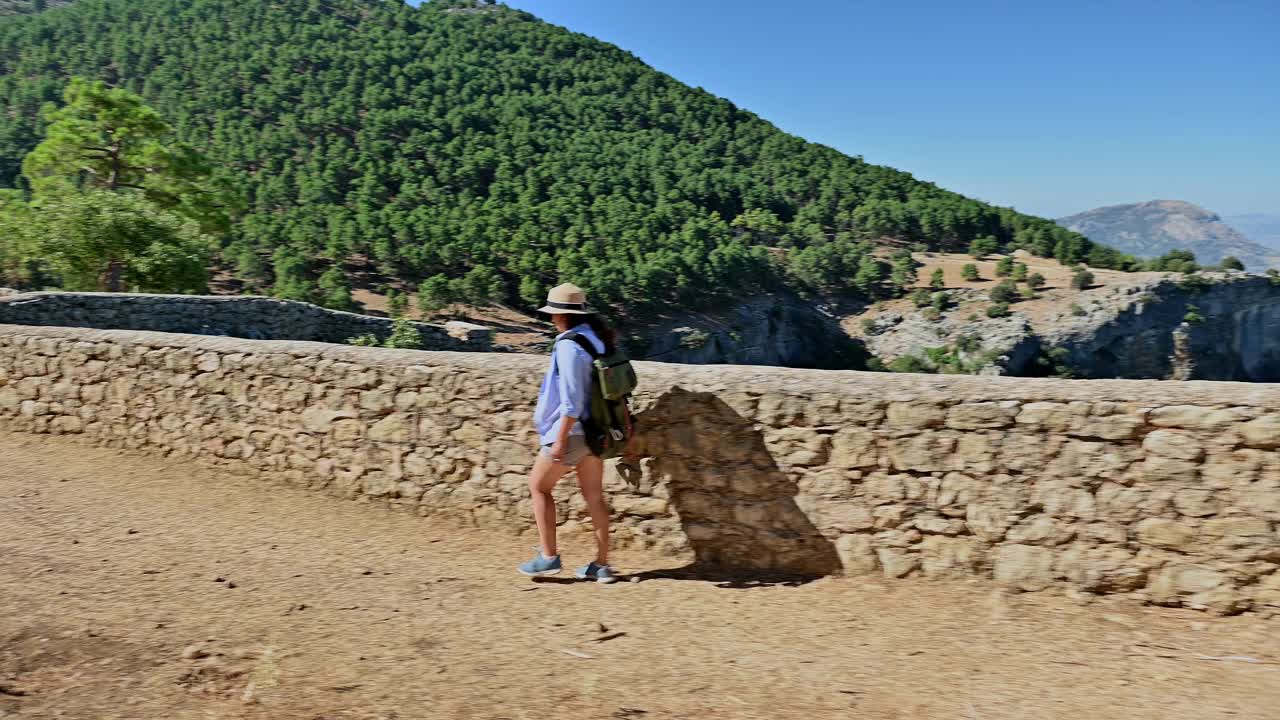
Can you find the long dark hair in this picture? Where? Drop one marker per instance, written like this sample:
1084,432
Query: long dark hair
602,331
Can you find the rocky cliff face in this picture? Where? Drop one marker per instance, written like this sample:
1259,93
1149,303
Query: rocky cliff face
766,330
1215,326
1150,229
1233,333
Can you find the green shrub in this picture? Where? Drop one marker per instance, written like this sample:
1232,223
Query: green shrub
397,303
909,364
1019,272
1078,311
998,310
983,246
1035,280
868,326
1274,276
695,340
1082,279
1004,268
404,336
1231,262
1006,292
937,280
920,297
1193,315
1195,283
1027,293
1180,261
932,314
970,272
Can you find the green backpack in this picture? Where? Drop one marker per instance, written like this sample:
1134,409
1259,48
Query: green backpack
610,426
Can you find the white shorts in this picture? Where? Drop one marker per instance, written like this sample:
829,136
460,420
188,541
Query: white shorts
575,449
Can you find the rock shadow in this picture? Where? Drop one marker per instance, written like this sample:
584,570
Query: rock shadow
736,506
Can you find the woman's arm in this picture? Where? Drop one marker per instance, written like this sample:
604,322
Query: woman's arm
575,384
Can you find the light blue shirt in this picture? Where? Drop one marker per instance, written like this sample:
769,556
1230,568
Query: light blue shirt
566,389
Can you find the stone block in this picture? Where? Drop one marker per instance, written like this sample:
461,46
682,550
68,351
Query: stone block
926,452
1173,444
1164,469
1101,569
988,521
915,415
854,448
882,487
1262,432
1040,530
1165,533
950,557
394,428
1196,502
348,432
844,517
1052,416
857,557
1195,586
1237,527
1192,417
982,415
1025,567
897,563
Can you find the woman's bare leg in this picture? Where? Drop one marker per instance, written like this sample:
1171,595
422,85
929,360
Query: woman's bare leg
542,480
591,482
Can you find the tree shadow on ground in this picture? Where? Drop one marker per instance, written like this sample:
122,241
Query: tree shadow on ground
736,506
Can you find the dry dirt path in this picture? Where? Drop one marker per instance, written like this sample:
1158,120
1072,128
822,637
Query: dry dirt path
111,607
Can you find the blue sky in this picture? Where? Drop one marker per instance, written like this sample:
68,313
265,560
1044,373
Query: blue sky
1051,107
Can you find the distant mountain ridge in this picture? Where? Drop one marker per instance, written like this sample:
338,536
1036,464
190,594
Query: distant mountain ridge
1153,228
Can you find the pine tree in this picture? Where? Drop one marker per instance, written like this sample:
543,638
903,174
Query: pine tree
336,290
435,293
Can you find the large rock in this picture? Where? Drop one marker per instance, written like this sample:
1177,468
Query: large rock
1196,586
857,556
982,415
1025,567
1165,533
854,448
1192,417
1173,444
1263,432
897,563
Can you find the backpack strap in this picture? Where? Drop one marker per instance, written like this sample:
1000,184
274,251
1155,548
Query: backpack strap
584,343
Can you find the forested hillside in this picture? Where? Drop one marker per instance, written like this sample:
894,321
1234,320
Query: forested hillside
487,155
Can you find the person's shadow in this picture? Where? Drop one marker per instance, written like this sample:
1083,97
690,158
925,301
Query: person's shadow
737,508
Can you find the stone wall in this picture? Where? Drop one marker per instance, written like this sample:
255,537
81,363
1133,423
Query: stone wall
1167,490
256,318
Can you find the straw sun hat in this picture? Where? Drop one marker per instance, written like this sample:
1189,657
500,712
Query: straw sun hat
566,299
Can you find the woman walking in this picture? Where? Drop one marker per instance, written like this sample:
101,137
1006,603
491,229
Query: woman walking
563,403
